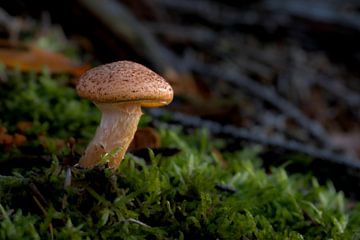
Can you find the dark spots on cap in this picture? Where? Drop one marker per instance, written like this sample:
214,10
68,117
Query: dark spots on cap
121,81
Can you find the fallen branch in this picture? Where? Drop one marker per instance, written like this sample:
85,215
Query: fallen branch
244,134
231,75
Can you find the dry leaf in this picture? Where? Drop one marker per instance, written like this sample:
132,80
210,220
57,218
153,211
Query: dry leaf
35,59
23,125
2,130
19,139
145,138
6,139
186,86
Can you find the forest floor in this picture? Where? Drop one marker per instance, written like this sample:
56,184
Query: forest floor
274,88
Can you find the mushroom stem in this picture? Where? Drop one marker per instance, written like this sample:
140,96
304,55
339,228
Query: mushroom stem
117,128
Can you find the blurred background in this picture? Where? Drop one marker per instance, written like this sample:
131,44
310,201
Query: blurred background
283,74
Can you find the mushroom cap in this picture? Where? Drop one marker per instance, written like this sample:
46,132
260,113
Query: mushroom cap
124,82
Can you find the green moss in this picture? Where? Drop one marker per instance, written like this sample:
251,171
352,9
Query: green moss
49,103
176,197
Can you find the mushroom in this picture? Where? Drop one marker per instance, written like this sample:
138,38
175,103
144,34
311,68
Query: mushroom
119,90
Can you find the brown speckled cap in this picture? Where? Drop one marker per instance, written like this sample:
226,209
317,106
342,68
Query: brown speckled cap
124,81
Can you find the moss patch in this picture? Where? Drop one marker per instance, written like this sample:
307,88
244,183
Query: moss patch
190,195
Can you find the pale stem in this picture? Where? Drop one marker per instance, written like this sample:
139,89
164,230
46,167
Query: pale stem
114,135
